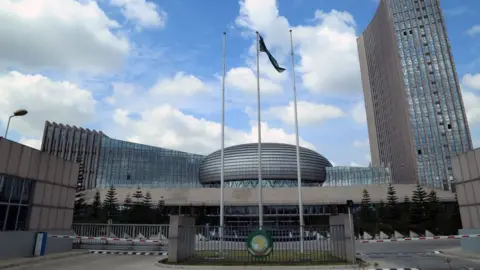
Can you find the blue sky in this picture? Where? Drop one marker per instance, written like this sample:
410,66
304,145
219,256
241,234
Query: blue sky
150,71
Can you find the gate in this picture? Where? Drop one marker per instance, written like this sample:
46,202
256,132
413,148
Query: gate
129,237
275,245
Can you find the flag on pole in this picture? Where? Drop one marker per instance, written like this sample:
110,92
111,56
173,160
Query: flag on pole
263,48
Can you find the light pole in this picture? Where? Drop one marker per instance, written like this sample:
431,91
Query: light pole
20,112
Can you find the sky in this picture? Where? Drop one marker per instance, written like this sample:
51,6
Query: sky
150,71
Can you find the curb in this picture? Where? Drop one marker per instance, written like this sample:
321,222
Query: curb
394,269
146,253
33,260
259,267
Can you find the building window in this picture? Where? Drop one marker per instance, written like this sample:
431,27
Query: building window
15,194
449,126
419,151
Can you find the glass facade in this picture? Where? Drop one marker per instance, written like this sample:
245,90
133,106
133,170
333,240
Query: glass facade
265,183
126,164
15,197
435,105
351,176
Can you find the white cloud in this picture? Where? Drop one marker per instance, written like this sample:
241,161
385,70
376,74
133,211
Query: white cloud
120,116
476,144
474,30
120,91
244,79
182,91
58,101
471,80
472,107
358,113
34,143
181,84
360,144
62,34
166,126
368,157
144,13
327,47
308,113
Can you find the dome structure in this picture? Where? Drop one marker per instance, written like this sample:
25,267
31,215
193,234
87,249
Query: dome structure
279,166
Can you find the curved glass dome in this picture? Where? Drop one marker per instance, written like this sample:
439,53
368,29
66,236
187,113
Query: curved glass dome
279,166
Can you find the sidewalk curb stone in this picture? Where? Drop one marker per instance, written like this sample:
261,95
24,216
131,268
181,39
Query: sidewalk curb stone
259,267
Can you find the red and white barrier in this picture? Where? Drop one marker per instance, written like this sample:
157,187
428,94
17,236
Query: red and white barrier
105,239
441,237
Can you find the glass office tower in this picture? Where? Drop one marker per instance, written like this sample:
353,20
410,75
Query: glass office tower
123,164
414,106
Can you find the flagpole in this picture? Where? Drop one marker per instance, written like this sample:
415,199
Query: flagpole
222,176
299,173
260,191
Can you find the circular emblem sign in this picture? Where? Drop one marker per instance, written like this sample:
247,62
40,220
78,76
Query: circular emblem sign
259,243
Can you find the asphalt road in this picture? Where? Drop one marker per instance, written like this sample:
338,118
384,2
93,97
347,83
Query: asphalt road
414,254
90,262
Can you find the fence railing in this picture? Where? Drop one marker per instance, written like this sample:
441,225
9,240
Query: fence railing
124,231
320,244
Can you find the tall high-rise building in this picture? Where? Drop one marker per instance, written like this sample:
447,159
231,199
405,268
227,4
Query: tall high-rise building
415,112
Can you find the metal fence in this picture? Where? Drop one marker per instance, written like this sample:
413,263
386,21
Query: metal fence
124,231
320,244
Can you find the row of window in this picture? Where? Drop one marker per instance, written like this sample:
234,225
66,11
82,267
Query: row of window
15,197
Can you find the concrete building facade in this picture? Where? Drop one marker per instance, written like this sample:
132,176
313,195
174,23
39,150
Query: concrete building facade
415,112
466,172
37,194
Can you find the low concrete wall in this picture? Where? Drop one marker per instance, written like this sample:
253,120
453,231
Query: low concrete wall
17,244
181,238
471,245
56,245
341,237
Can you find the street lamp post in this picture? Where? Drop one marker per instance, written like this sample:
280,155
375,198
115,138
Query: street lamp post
20,112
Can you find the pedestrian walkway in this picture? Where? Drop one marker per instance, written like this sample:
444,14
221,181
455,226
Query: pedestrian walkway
30,260
458,252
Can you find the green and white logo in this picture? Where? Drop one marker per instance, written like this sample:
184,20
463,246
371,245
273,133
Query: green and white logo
260,243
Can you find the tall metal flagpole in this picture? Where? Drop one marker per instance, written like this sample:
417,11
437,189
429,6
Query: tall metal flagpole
222,213
260,191
299,173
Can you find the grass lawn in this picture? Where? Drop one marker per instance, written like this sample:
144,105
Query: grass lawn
277,257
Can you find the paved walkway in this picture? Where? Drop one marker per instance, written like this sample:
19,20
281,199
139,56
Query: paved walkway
458,252
36,260
80,261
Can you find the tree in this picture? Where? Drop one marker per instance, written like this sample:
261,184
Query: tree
381,214
392,198
96,207
127,208
147,214
405,215
160,212
392,215
80,205
136,215
431,212
366,213
138,195
110,204
417,211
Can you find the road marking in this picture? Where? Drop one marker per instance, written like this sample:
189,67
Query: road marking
116,252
